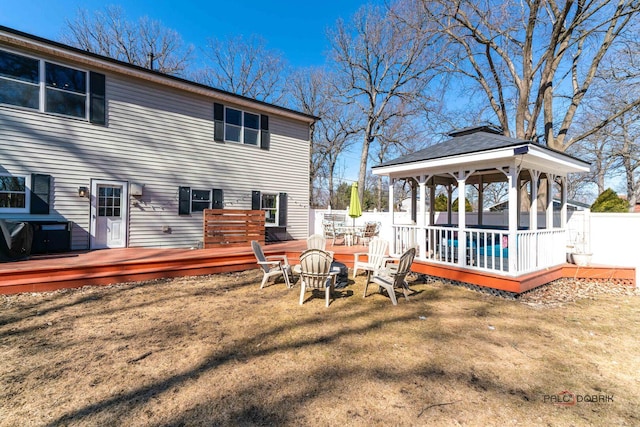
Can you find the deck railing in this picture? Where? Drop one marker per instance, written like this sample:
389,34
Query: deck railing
483,249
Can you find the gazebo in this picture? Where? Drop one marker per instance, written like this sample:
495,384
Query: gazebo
527,237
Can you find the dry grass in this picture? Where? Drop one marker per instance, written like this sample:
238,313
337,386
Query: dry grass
218,351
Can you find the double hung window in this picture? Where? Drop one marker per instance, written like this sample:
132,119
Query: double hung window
13,193
241,126
19,80
269,204
200,200
66,90
23,79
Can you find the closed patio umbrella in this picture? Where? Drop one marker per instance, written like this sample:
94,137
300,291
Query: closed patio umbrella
355,209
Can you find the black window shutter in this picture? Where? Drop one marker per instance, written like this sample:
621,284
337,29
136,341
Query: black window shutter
40,190
265,135
97,99
255,200
218,122
218,198
282,210
184,200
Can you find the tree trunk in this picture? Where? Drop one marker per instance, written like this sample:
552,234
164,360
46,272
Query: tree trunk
362,175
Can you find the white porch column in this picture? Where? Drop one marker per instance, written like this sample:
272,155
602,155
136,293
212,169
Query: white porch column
481,200
422,220
449,203
432,204
563,201
549,212
393,222
514,196
533,206
414,202
462,219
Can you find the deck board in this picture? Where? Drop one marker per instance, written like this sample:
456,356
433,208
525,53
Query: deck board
102,267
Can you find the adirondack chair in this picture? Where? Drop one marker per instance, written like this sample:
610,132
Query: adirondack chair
316,241
376,258
395,276
330,232
369,232
315,273
272,266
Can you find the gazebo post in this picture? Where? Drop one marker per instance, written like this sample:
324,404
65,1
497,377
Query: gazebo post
432,202
462,218
533,206
563,201
549,211
422,223
480,200
391,209
414,201
449,203
514,196
423,201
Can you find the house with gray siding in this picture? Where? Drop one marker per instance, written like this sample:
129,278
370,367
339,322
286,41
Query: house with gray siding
96,153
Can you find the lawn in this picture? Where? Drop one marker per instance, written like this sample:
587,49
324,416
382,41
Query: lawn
218,350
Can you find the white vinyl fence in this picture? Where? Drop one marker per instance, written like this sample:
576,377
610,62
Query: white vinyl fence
612,238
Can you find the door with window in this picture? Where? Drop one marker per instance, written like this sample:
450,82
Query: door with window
109,214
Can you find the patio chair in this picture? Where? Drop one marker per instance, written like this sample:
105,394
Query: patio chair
369,232
316,241
329,232
272,266
315,273
395,276
376,258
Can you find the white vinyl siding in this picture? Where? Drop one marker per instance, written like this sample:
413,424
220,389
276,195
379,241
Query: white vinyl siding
162,138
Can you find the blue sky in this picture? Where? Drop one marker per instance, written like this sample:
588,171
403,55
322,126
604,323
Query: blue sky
297,29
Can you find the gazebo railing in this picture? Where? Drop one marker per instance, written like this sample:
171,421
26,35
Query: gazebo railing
485,249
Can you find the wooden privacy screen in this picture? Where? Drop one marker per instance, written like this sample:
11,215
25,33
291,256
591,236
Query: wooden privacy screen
232,227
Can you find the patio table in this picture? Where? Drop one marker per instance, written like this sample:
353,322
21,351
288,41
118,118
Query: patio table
350,233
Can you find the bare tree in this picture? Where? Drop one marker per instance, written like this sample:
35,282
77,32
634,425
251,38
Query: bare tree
311,91
382,56
146,42
246,67
614,149
535,60
398,137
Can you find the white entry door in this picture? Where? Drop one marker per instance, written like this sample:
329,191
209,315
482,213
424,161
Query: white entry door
109,214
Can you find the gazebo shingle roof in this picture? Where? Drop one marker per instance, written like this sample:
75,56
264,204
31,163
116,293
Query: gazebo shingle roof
464,141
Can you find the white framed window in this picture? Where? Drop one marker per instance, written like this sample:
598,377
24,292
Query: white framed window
14,193
66,90
44,86
241,126
269,204
200,200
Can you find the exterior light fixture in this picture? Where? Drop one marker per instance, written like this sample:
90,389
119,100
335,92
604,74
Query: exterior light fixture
83,192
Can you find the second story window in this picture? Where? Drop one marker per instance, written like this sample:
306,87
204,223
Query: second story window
19,80
66,91
23,79
241,126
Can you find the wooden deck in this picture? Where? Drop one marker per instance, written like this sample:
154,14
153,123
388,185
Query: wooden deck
71,270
